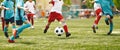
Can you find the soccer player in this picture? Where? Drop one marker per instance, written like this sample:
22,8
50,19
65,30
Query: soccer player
107,8
30,4
19,12
8,15
98,13
57,14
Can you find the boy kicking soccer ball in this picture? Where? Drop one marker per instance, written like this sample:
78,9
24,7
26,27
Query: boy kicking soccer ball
19,12
57,14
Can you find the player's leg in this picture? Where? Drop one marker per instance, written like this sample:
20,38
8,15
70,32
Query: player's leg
6,29
3,23
18,31
65,27
98,13
51,18
32,20
111,24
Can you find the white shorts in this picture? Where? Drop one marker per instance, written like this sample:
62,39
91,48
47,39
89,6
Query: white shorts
97,6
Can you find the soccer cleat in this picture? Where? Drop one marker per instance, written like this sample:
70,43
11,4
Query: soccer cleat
45,31
11,41
14,32
6,34
109,32
94,29
17,37
68,34
106,21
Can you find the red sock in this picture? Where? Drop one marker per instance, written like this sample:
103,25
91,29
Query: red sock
65,28
32,20
3,23
97,20
47,27
98,16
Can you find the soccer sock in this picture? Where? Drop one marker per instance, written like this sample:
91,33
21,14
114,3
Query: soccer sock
32,20
13,27
20,29
3,23
97,20
5,29
65,28
106,19
5,32
111,26
47,27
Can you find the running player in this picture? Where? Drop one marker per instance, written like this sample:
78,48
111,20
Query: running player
57,14
19,12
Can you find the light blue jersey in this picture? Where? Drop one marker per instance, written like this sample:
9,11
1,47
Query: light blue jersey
97,1
8,13
19,13
107,7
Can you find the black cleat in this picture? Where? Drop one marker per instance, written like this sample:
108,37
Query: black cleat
106,21
45,31
109,32
17,37
6,34
68,34
94,29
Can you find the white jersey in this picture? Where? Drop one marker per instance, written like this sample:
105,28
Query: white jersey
57,7
30,6
97,6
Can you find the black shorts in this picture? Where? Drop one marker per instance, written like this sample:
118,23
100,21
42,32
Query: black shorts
11,20
19,22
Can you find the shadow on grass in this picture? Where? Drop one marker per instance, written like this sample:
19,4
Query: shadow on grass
109,35
27,43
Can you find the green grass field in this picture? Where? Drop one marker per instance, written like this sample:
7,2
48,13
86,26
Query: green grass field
82,37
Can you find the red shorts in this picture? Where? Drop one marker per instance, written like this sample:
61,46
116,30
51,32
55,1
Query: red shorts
30,15
53,16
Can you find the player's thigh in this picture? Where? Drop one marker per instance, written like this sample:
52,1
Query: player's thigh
59,17
52,17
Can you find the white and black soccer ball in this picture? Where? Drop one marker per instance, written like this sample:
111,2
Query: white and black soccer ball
59,31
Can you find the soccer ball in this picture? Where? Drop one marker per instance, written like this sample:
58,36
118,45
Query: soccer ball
59,31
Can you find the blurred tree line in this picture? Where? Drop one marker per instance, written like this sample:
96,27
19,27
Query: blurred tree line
89,5
116,2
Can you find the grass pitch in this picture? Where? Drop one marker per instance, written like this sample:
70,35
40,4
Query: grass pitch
82,37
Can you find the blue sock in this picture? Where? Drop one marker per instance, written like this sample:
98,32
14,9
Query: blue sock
111,26
13,27
5,29
20,29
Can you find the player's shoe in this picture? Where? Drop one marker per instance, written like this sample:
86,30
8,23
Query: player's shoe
17,37
68,34
14,32
94,29
11,41
106,21
6,34
109,32
45,31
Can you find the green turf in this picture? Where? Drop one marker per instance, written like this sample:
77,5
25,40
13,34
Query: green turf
82,37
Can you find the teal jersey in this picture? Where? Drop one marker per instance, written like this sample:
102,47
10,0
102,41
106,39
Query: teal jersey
97,1
19,13
8,13
107,7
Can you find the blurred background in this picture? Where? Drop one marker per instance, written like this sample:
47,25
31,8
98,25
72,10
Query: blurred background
74,8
